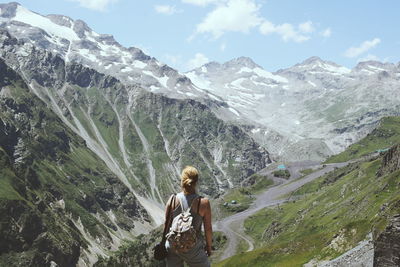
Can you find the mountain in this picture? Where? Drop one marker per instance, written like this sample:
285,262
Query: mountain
88,161
308,111
59,202
75,41
349,216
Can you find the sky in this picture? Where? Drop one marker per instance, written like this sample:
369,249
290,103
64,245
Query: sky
276,34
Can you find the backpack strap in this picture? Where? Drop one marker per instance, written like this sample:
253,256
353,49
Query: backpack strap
184,205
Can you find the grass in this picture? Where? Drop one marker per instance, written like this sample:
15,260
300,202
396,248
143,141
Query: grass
243,199
261,182
219,243
384,136
243,196
6,189
306,172
282,174
342,206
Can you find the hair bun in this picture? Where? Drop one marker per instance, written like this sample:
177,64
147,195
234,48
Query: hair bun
189,178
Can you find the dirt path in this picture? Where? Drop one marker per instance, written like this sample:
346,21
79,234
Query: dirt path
270,197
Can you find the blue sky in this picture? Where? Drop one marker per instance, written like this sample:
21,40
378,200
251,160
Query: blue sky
274,33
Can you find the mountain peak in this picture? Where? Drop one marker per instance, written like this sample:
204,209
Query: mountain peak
61,20
242,62
312,60
374,66
8,10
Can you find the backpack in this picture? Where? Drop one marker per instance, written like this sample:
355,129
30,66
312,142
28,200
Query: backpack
182,236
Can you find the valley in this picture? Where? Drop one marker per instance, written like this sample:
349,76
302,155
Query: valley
301,164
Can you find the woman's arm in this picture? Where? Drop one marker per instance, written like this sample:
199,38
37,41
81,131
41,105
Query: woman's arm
207,225
168,206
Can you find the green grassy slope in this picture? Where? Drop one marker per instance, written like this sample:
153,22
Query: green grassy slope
49,180
335,214
384,136
331,214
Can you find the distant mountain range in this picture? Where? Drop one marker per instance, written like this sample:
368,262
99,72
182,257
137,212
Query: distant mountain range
309,111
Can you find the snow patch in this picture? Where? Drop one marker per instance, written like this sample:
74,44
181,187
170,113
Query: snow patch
154,88
86,53
163,81
368,72
126,69
213,97
234,111
36,20
139,64
375,68
269,75
336,69
313,84
190,94
199,81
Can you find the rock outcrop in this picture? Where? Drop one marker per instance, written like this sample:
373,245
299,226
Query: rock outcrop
391,161
387,245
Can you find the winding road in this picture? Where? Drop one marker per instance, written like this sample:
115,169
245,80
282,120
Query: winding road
270,197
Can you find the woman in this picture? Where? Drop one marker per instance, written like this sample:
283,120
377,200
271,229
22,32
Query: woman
201,213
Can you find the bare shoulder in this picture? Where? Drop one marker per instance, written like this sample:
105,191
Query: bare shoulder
204,206
205,201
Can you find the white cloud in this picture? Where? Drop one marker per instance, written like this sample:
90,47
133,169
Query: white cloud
222,47
267,28
242,16
166,9
231,16
287,31
99,5
364,47
369,57
201,2
326,33
198,61
306,27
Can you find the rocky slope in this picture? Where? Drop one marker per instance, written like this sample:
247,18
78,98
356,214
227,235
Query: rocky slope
129,147
75,41
387,245
308,111
387,241
59,202
311,110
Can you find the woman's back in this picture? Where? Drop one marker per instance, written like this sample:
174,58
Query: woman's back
193,201
200,210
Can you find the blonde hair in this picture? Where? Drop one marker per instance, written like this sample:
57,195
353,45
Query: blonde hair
189,179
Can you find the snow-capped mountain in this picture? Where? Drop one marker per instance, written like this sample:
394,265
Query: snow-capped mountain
310,110
75,41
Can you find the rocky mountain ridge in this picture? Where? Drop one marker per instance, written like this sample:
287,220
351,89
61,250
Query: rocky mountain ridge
316,108
129,146
59,201
75,41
